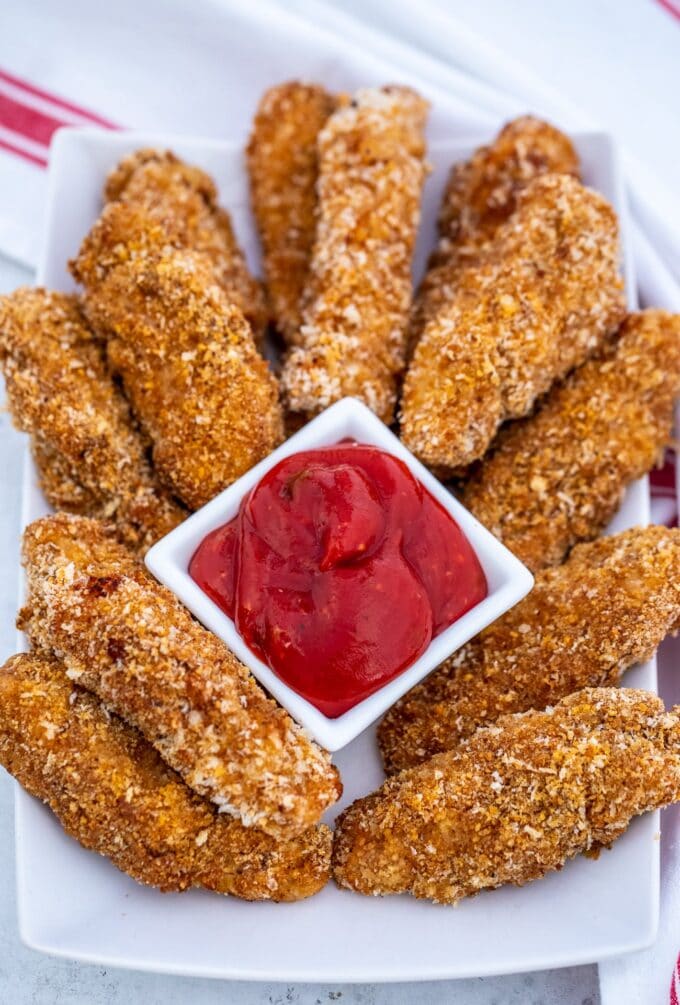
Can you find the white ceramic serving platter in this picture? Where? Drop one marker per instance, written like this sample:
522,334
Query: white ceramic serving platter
75,904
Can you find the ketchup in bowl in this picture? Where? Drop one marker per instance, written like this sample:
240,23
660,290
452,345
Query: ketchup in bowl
338,572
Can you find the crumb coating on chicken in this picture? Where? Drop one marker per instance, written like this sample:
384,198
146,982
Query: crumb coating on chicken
480,195
559,476
583,625
358,294
516,800
545,296
183,198
283,166
196,383
90,457
111,791
126,638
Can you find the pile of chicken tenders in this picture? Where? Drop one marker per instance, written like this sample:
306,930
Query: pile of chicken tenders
513,371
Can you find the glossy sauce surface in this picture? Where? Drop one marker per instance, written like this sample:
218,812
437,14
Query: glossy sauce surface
338,571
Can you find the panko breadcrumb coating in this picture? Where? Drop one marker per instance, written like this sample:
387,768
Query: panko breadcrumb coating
184,200
283,166
196,383
544,297
480,195
130,641
583,625
90,458
356,302
514,801
558,477
112,792
482,192
60,487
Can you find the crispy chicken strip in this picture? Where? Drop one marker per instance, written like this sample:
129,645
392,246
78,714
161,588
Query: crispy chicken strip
283,166
356,302
129,640
90,457
480,195
583,625
196,382
112,792
543,297
514,801
184,200
61,489
559,476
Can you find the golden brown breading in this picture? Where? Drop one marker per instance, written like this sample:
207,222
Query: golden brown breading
283,166
90,457
544,297
195,380
112,792
355,310
583,624
514,801
183,199
559,476
130,641
59,487
480,195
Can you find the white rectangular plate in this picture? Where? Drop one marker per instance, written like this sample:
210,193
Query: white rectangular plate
73,903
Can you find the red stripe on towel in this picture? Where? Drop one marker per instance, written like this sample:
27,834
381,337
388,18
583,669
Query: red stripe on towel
30,122
59,103
671,6
26,154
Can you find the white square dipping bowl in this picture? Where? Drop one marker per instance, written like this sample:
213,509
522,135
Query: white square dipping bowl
507,579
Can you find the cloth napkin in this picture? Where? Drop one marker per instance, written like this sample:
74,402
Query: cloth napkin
199,69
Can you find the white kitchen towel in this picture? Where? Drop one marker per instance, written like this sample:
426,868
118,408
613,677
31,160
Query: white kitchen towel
196,68
199,68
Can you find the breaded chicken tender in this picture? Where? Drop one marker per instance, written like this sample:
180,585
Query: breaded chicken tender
61,489
583,625
545,296
283,167
90,457
514,801
480,195
184,200
558,477
127,639
196,383
112,792
356,302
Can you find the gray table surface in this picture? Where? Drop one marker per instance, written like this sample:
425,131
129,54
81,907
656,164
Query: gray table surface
29,977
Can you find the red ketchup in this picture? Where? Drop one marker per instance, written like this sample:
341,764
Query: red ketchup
338,571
